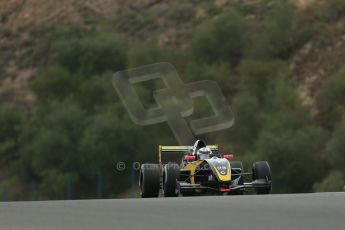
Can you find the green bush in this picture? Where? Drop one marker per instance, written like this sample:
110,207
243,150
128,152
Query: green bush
333,182
11,188
247,125
331,99
333,90
106,141
91,56
55,83
222,38
54,184
256,76
293,156
11,124
50,139
39,50
96,92
289,139
275,34
220,72
145,54
336,147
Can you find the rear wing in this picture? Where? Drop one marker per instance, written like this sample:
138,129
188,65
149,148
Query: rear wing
180,150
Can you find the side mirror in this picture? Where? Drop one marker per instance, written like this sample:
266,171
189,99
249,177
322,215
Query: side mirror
189,158
228,156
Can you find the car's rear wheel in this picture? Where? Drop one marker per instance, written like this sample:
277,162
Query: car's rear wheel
262,170
149,180
171,175
237,168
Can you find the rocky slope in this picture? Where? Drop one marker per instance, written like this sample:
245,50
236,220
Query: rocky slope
169,22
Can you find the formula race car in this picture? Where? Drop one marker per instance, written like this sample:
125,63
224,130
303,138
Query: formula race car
202,171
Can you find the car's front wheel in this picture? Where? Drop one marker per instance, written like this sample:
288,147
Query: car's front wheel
171,175
262,170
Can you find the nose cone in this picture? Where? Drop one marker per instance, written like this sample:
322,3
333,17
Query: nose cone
220,168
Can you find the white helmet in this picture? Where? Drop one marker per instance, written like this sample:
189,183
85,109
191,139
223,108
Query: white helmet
204,153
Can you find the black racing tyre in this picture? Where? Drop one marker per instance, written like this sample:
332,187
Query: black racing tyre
149,180
171,175
262,170
237,166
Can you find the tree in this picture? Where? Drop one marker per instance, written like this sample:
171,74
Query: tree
222,38
332,99
11,124
257,75
336,147
106,141
50,139
145,54
333,182
290,141
96,92
275,37
295,157
92,55
55,83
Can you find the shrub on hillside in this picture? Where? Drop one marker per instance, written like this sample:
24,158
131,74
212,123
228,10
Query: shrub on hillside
11,124
333,182
93,55
289,140
275,36
256,76
55,83
221,72
336,147
145,54
331,98
222,38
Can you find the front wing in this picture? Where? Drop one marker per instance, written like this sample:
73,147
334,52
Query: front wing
259,183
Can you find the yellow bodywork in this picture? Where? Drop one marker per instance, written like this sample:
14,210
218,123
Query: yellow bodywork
192,166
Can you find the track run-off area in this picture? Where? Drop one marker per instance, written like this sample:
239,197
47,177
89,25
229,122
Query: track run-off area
278,212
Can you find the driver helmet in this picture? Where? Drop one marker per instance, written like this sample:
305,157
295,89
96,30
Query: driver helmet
204,153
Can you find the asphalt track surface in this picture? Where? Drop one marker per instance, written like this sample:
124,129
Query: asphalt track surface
293,211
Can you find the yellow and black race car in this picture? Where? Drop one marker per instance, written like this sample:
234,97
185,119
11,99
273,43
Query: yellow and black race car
203,170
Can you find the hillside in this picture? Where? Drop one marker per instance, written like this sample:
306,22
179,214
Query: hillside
279,63
168,23
151,19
